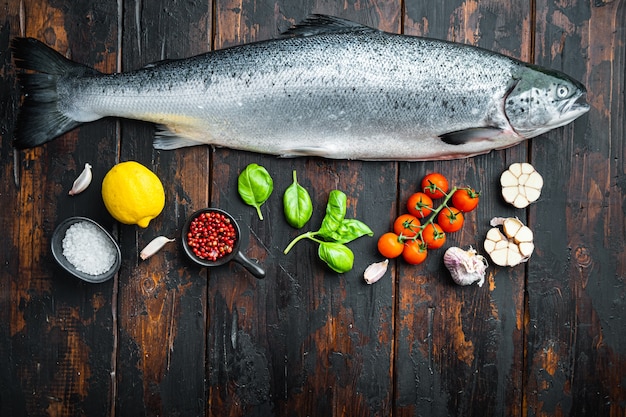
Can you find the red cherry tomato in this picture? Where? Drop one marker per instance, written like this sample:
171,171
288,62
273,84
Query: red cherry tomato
420,205
450,219
414,252
433,236
390,245
435,185
465,199
406,225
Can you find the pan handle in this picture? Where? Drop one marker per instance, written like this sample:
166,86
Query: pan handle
254,268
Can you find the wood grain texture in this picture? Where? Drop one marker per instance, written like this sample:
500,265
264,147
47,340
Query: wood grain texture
463,344
162,301
334,333
576,338
334,354
58,331
166,337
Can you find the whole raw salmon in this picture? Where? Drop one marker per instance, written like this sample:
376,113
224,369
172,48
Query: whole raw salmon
329,87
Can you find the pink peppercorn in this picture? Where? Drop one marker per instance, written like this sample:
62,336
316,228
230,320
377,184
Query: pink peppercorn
211,236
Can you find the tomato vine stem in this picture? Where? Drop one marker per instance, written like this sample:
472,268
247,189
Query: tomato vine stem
432,216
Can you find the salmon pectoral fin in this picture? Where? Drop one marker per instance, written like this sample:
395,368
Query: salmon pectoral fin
173,137
477,134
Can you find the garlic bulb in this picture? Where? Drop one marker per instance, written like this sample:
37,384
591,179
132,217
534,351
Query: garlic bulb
465,266
154,246
511,246
82,182
375,271
521,184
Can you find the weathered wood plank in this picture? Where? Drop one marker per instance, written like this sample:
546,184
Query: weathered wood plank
576,331
162,301
58,338
11,317
459,349
304,341
161,340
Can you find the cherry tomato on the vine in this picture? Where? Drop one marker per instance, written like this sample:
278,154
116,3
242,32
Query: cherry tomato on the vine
435,185
406,225
465,199
414,252
420,205
390,245
433,236
450,219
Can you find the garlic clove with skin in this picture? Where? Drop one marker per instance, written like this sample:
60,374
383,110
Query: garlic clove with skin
154,246
82,182
375,271
465,266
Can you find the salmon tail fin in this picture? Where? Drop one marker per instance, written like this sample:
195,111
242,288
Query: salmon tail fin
40,119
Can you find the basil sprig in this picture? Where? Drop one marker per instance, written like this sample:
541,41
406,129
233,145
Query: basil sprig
297,204
255,185
334,232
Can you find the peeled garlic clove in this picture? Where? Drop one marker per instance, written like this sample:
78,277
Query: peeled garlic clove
500,256
521,184
465,266
511,226
526,249
489,245
524,234
82,182
497,246
535,180
375,271
494,236
514,257
508,178
510,194
154,246
517,169
533,192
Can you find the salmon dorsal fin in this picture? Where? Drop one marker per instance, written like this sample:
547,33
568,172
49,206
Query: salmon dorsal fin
319,24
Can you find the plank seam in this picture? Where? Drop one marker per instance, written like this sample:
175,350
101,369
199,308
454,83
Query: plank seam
526,301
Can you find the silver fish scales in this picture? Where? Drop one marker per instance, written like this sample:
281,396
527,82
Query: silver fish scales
329,88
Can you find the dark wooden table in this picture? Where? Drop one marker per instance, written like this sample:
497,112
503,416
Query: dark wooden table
167,338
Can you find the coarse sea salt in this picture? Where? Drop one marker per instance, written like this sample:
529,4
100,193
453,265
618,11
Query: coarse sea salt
87,248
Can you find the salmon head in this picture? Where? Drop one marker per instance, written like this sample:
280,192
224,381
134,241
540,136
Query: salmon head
544,99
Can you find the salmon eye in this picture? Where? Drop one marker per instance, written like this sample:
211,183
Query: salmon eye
562,91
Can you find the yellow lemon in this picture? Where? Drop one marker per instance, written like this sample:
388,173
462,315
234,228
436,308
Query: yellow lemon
132,193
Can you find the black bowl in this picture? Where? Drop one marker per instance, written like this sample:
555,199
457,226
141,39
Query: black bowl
236,255
57,251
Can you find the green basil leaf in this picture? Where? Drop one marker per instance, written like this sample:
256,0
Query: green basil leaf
297,204
255,185
337,256
350,229
335,212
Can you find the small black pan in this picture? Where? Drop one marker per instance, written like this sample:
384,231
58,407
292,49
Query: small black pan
236,254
